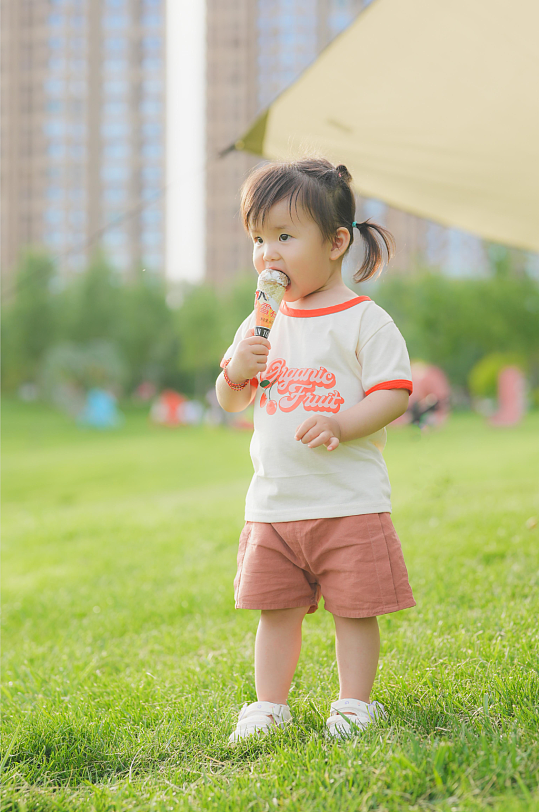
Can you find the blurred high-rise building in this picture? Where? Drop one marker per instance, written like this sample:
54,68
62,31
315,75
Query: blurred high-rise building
255,48
83,131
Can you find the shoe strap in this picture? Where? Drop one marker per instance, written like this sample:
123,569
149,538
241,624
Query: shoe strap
279,712
372,710
354,705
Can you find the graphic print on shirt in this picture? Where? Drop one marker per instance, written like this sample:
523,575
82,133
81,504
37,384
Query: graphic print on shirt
297,387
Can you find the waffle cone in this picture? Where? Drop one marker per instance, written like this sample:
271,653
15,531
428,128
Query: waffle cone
269,295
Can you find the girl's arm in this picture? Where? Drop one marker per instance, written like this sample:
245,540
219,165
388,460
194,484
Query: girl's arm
368,416
371,414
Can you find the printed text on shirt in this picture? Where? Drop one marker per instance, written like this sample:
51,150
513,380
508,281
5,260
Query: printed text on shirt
297,387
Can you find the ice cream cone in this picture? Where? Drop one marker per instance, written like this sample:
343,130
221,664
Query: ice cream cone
269,294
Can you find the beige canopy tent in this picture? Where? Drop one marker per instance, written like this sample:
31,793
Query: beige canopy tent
434,108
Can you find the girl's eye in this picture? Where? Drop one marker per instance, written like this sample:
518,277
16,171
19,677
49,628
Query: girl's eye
284,237
258,240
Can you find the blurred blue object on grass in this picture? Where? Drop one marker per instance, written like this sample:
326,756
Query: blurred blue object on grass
100,410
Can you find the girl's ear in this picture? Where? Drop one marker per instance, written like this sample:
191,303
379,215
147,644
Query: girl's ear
340,243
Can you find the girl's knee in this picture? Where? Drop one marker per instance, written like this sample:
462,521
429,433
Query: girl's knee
284,615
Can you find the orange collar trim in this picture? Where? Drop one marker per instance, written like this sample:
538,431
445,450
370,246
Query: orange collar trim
322,311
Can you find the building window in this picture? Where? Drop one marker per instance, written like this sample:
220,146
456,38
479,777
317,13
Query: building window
77,238
77,217
116,64
115,44
151,238
77,129
152,63
151,216
115,108
113,215
150,107
54,127
151,129
114,129
114,194
56,149
152,43
151,173
151,20
152,150
57,43
152,87
76,107
115,21
119,258
76,193
116,88
150,192
115,237
55,238
116,149
77,88
111,172
77,152
54,87
54,216
57,63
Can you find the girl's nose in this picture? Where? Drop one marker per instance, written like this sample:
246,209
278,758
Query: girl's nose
270,251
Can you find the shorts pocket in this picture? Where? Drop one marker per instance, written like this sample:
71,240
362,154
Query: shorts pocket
244,540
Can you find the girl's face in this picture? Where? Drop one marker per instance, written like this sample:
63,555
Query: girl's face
293,243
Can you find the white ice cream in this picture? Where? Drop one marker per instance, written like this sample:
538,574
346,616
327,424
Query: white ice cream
272,275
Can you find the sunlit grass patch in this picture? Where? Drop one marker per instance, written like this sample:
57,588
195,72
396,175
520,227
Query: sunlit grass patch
125,662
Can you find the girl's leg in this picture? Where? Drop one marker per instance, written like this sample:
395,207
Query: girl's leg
277,648
357,644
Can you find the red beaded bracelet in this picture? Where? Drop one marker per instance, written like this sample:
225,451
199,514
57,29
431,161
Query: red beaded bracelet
236,386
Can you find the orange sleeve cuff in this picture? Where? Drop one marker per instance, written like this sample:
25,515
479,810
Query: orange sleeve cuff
400,384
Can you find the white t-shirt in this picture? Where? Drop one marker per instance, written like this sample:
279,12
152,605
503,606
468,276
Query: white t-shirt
321,361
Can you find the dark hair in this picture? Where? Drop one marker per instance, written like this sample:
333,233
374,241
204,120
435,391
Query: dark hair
324,192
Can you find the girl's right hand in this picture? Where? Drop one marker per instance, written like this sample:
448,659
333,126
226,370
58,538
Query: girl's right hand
249,359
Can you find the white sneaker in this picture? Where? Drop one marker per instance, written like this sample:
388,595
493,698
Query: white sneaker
349,716
260,716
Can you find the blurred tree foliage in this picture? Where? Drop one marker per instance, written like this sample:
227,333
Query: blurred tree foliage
483,378
450,322
455,322
206,324
30,323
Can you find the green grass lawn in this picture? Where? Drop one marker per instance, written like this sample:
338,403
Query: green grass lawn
125,662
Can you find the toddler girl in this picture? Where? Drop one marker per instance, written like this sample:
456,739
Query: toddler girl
334,373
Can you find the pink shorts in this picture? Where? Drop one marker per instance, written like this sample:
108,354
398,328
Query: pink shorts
354,562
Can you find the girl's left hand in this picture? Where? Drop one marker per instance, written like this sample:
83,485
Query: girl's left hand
319,430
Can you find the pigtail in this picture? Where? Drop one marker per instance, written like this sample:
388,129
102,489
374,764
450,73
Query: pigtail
374,260
343,173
